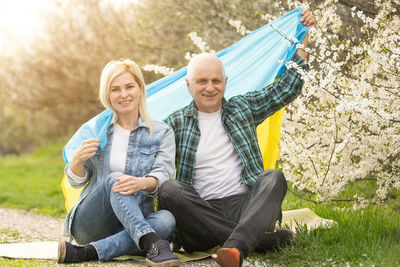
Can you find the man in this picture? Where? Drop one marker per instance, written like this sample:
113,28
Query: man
221,195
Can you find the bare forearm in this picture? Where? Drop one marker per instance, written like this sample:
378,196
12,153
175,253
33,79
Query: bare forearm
302,51
149,184
78,168
308,20
85,151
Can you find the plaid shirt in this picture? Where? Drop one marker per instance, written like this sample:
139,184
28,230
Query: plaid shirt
240,117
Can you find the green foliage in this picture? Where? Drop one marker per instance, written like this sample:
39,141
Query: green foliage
33,182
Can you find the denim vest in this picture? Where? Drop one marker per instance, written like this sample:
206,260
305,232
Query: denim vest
142,150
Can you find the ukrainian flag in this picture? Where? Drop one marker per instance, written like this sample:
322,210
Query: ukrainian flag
253,62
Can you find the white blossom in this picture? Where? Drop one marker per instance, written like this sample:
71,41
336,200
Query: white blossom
240,28
346,124
198,41
158,69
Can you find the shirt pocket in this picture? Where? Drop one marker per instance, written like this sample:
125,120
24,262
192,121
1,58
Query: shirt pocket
147,156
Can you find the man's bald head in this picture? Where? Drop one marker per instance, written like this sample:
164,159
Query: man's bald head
204,60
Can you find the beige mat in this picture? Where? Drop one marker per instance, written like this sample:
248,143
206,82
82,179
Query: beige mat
294,219
48,250
31,250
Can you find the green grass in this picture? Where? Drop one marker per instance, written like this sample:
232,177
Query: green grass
369,237
8,235
33,182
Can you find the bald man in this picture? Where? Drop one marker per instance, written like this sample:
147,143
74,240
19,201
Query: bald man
221,195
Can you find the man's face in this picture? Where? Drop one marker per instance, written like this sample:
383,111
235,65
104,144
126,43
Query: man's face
207,85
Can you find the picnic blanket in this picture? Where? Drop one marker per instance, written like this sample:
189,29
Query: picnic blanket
292,219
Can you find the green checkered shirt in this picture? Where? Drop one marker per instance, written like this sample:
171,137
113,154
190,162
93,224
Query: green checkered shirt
240,117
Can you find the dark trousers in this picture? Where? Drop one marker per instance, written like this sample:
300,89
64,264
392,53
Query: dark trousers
239,221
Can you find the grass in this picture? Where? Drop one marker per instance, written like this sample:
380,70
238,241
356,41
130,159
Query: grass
369,237
8,235
32,182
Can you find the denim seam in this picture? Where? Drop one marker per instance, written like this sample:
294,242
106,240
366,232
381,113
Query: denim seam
127,212
101,256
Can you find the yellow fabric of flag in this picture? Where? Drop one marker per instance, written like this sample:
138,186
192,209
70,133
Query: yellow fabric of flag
268,134
70,194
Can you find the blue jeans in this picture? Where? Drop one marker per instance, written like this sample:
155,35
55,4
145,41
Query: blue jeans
114,223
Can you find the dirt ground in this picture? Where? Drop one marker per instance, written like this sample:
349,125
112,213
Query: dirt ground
36,227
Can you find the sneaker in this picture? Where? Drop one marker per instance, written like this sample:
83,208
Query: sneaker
160,255
276,241
228,257
69,253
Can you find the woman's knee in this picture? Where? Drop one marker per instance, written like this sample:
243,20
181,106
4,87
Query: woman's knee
165,224
112,178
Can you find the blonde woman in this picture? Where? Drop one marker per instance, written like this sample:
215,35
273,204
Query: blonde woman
114,214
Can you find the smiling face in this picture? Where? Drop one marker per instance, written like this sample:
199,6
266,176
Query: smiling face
206,82
125,95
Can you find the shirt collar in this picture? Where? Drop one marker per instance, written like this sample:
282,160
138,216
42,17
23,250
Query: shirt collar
139,124
191,110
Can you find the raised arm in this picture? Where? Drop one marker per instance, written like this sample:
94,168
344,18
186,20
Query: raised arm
308,20
76,171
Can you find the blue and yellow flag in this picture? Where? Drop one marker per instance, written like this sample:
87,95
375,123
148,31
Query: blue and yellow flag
250,64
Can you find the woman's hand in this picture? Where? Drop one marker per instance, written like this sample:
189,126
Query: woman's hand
86,150
127,184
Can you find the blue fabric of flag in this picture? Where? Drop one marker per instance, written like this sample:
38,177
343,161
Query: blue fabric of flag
250,64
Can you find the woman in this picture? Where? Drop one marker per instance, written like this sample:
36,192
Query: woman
114,214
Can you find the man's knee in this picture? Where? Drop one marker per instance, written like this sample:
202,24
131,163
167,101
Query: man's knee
171,194
276,177
168,188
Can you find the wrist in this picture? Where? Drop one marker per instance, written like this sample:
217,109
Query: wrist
149,183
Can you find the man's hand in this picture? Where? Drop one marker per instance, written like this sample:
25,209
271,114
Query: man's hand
127,185
308,20
86,150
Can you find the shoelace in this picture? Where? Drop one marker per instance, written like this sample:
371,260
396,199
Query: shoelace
158,247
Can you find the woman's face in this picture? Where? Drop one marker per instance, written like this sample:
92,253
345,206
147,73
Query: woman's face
125,95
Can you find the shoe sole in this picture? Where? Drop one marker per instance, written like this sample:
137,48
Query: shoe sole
169,263
61,251
293,238
225,258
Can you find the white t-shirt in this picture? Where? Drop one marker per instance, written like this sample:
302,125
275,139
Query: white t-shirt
119,149
218,167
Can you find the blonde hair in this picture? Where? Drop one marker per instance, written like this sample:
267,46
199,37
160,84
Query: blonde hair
111,71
